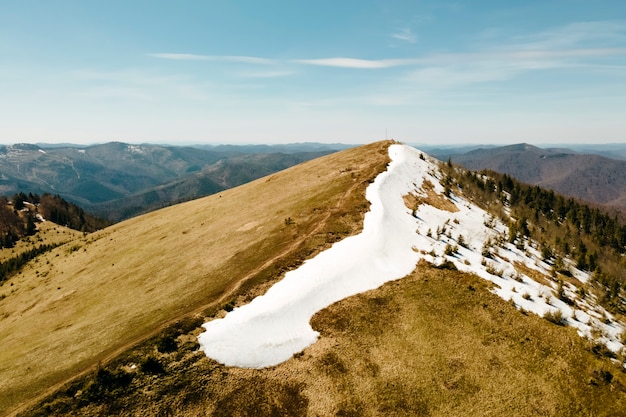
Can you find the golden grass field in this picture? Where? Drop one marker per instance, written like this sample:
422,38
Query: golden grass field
90,299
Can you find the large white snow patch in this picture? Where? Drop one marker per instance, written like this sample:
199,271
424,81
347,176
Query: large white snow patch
274,326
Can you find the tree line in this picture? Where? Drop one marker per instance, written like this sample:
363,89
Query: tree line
20,213
564,227
14,264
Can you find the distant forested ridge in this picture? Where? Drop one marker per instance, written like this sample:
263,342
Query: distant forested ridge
600,180
117,180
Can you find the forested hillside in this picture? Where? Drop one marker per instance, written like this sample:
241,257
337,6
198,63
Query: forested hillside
20,213
566,227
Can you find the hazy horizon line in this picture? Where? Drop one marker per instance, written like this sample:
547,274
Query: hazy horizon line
208,143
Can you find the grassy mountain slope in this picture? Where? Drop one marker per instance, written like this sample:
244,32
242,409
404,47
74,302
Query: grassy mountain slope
437,343
48,233
592,178
90,299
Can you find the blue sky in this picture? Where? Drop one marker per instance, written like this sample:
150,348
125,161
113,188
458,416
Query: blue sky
329,71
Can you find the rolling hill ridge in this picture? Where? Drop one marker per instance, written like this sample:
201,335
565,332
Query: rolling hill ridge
497,317
118,180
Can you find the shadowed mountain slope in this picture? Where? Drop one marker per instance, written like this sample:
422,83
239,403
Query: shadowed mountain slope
118,180
592,178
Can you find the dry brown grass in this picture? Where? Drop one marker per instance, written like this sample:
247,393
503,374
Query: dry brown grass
535,275
441,345
436,343
93,298
413,201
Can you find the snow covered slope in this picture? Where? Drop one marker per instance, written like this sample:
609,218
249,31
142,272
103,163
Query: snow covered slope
410,219
274,326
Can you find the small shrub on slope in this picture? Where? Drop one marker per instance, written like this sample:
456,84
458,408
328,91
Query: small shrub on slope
167,343
151,365
447,265
555,317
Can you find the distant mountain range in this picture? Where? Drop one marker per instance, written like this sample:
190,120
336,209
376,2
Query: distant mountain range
590,177
119,180
609,150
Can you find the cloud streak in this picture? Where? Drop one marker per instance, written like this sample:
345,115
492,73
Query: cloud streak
138,85
516,55
216,58
339,62
344,62
577,40
575,35
589,46
405,34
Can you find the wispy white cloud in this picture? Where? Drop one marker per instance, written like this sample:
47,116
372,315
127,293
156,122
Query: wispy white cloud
575,35
569,42
441,77
129,76
121,93
405,34
222,58
596,48
427,79
340,62
521,55
179,57
454,70
343,62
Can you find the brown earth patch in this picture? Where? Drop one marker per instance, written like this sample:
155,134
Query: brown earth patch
533,274
439,201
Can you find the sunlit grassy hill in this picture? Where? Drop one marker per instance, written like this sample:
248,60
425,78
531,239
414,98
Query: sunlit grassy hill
108,323
92,298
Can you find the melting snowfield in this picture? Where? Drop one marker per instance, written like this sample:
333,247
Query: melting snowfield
274,326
